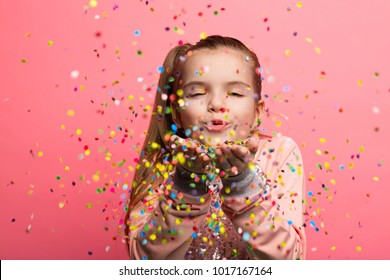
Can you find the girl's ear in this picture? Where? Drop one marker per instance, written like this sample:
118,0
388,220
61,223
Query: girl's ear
259,111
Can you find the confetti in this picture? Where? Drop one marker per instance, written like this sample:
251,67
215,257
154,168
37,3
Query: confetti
74,74
93,3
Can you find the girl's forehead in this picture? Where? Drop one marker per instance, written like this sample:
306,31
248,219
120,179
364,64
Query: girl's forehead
221,63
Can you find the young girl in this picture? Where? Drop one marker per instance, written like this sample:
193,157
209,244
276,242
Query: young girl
208,185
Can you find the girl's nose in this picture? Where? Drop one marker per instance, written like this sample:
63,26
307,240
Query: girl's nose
217,104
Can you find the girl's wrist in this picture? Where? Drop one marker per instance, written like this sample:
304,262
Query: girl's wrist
246,183
189,182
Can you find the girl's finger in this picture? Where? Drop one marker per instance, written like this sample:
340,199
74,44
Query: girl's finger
241,152
222,160
252,144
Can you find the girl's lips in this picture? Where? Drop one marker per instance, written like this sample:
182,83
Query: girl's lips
216,125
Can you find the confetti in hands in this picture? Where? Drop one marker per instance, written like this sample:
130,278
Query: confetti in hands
231,157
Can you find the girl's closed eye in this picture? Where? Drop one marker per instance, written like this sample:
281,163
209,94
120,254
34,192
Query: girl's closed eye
196,94
234,93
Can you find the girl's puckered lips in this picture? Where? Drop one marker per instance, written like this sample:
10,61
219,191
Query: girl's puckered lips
216,125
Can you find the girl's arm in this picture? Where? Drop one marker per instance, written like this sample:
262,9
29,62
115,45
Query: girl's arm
161,226
267,209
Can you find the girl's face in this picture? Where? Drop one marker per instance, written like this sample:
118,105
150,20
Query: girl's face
219,102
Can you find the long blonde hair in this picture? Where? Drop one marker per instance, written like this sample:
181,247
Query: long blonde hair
154,147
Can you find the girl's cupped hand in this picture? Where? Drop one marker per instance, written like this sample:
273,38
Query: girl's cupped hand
233,159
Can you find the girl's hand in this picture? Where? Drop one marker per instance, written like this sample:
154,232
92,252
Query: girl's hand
189,154
233,159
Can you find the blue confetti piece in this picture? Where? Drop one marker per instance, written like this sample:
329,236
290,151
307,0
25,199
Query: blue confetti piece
290,222
160,69
310,193
246,236
312,223
137,32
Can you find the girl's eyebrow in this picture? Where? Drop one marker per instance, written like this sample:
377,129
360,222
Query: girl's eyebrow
200,83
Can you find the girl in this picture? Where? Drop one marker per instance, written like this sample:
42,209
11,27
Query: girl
208,185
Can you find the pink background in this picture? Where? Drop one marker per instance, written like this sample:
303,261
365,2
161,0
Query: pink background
334,84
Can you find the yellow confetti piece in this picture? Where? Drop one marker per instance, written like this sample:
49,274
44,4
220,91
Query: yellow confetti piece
299,4
322,140
152,237
358,248
179,92
70,113
181,102
333,248
319,152
63,127
361,149
87,152
202,200
50,43
351,165
40,154
333,181
317,50
61,204
95,177
203,35
93,3
327,165
67,168
178,221
112,133
79,131
309,40
360,83
287,52
278,123
181,158
376,179
299,170
347,215
204,239
131,97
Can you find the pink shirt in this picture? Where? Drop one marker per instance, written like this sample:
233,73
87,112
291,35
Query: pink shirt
266,224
